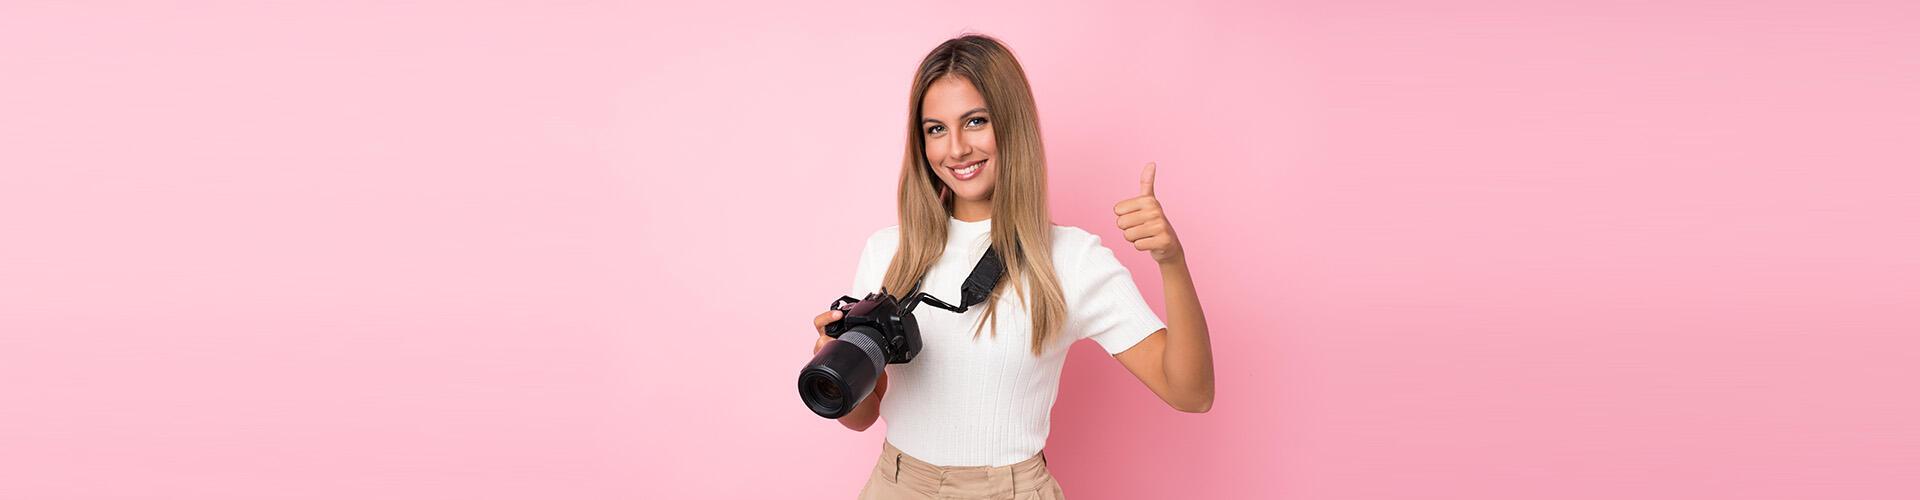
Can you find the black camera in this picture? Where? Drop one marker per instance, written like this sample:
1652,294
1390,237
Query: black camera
873,332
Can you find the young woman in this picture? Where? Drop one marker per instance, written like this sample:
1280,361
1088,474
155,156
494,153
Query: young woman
969,416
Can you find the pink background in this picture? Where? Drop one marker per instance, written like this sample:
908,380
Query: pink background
1449,249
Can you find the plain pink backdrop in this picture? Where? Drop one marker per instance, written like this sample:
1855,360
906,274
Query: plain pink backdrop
1472,249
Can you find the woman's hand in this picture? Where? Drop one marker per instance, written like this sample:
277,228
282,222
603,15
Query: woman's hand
1146,226
820,327
1175,363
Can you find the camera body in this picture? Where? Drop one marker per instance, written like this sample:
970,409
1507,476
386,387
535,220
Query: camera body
898,333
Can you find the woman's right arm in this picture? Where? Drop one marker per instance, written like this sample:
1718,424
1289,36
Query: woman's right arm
865,413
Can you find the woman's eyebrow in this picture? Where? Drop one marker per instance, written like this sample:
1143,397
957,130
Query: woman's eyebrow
970,112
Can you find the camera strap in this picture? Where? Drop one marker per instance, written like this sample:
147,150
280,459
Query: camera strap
976,289
980,283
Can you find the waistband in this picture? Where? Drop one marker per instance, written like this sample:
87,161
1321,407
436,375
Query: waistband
932,479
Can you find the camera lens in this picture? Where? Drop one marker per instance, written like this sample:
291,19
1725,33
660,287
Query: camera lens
827,392
821,392
843,373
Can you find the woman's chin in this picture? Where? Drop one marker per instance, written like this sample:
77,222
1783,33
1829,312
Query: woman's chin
966,197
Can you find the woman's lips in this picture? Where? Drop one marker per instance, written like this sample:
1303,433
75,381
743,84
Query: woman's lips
968,171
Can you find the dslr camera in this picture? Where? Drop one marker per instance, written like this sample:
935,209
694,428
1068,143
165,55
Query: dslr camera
873,332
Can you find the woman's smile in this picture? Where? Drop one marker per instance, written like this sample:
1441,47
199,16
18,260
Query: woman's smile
966,171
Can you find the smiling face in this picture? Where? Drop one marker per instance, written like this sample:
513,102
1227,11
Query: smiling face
959,143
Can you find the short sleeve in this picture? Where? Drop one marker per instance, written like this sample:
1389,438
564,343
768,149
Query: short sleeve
1103,303
869,274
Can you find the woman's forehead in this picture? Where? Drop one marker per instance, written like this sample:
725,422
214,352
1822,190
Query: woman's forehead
950,96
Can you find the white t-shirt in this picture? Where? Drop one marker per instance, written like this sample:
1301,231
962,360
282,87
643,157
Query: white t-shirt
966,401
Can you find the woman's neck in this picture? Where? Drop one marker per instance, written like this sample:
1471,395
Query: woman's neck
973,211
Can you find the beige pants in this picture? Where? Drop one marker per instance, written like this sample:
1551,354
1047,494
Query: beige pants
900,476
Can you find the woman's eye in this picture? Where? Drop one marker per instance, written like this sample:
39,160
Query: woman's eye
976,122
936,129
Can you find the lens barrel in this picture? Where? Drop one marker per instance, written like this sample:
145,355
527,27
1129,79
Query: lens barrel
843,373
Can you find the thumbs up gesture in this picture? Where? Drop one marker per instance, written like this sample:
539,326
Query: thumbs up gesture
1145,226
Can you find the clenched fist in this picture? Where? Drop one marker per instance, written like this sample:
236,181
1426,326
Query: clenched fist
1145,225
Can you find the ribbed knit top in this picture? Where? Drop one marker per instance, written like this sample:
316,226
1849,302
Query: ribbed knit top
986,400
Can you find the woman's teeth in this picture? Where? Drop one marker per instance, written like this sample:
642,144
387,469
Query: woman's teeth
968,172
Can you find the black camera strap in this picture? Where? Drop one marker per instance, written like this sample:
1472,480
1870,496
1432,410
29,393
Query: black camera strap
980,283
975,290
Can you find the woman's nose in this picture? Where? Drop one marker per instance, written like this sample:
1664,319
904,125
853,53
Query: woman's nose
958,148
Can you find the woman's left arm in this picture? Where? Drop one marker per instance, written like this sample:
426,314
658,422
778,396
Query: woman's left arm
1176,363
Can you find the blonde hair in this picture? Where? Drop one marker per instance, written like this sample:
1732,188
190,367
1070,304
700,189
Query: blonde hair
1022,227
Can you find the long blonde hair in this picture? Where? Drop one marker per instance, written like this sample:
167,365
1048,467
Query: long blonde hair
1022,228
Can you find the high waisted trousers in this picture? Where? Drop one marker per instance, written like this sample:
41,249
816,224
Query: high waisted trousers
899,476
